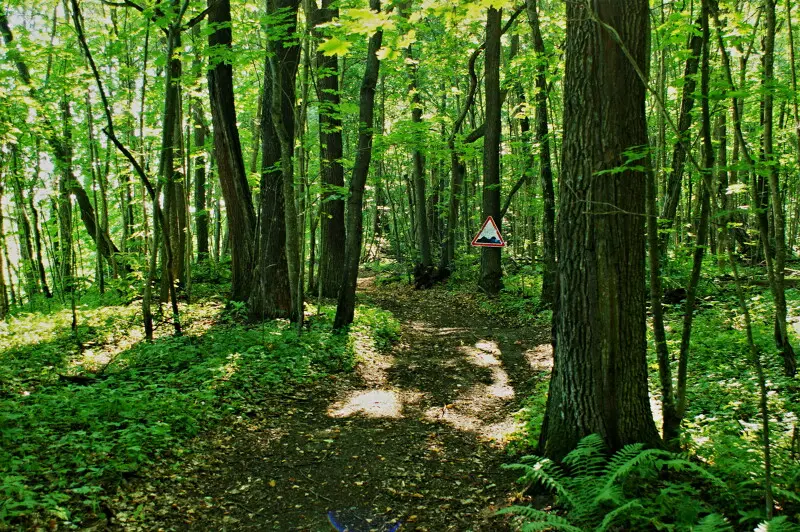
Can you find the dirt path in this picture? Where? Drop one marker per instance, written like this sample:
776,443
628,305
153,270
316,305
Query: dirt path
412,435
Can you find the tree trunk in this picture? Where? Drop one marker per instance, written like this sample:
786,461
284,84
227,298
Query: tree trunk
491,268
198,142
332,228
779,221
227,147
4,306
283,68
675,180
543,140
271,296
418,168
345,308
599,381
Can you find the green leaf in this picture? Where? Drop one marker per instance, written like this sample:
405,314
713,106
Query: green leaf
334,46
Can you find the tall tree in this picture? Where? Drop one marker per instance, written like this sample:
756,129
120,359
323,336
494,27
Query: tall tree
345,308
283,62
777,275
228,151
546,166
599,380
491,267
332,235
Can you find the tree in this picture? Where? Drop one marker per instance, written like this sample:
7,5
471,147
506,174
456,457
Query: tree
345,308
491,267
332,224
599,380
546,172
228,151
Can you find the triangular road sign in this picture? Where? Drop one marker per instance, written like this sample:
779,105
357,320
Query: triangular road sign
489,235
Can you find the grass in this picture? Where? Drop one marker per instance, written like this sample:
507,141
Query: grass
76,419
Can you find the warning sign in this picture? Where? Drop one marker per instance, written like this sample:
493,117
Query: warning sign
489,235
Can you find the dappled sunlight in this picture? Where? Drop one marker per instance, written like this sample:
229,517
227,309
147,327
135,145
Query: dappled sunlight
491,432
540,357
385,403
475,408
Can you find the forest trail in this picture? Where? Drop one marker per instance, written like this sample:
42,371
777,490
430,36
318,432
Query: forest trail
413,434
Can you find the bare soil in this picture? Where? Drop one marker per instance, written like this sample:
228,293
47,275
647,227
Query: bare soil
415,434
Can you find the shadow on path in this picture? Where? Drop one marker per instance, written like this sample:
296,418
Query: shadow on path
415,433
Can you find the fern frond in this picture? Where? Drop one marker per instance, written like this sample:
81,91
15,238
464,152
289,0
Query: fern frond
786,494
588,457
549,475
617,512
549,525
628,459
680,464
712,523
778,524
540,520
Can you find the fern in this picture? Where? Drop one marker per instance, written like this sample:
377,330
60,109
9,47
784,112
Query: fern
778,524
712,523
539,520
593,494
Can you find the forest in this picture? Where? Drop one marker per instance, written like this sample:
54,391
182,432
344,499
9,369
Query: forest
434,265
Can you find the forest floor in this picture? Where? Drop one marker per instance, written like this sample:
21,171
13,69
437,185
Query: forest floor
415,434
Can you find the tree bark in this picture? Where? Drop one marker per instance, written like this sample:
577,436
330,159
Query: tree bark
271,296
345,308
332,224
599,381
546,172
283,68
491,268
199,141
228,150
779,221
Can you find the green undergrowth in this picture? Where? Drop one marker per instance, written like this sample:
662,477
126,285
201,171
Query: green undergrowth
722,427
75,419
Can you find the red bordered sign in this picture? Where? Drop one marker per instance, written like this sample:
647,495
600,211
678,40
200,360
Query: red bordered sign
488,236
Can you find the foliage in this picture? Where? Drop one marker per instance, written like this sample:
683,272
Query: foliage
635,488
74,420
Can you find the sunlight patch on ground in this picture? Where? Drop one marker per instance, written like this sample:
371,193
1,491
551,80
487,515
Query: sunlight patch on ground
479,402
382,403
540,357
492,432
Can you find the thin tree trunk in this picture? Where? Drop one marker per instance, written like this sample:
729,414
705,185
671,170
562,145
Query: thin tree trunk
332,223
345,308
679,153
283,66
543,140
782,340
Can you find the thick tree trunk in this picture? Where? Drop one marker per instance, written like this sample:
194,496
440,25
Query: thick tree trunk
599,381
491,267
271,296
228,151
345,308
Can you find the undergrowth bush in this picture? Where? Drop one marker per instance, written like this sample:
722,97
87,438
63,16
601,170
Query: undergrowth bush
72,426
634,489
